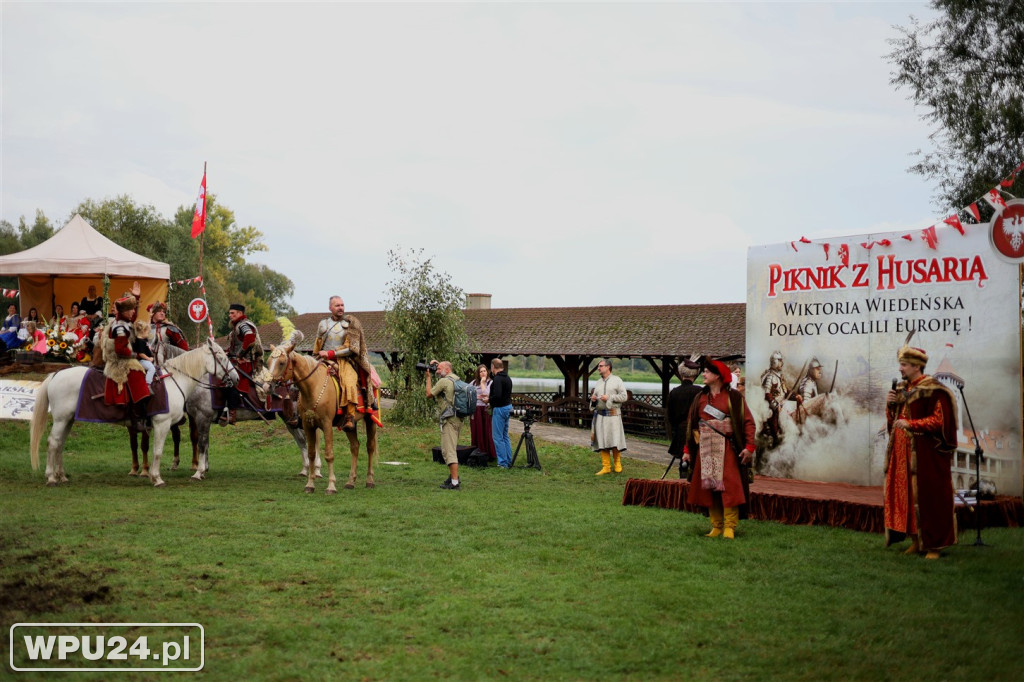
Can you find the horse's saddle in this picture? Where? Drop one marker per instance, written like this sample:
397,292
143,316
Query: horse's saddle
92,408
251,399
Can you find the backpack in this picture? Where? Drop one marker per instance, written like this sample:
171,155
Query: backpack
465,398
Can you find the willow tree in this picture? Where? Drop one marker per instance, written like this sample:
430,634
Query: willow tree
964,69
424,318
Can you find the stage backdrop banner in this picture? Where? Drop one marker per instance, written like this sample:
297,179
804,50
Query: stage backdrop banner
849,304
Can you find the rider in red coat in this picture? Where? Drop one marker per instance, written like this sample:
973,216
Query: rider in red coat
126,379
246,352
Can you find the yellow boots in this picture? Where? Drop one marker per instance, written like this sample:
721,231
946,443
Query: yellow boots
732,519
723,523
606,464
618,461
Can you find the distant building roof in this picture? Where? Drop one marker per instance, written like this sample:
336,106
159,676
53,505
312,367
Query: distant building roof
718,329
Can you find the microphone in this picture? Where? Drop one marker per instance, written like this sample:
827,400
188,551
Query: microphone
894,382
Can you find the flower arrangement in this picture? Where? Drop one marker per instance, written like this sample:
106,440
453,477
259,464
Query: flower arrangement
61,343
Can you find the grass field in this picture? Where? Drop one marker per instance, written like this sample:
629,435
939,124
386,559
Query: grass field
521,575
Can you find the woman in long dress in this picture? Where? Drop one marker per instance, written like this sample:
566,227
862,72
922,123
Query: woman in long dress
480,423
9,332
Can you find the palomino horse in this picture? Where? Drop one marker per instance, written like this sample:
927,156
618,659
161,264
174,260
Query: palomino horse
318,404
199,407
59,395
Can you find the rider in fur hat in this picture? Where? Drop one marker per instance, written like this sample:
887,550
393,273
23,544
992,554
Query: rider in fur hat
126,378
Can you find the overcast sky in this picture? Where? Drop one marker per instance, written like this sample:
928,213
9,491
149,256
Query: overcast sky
548,154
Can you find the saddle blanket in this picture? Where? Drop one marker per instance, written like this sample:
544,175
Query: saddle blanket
91,407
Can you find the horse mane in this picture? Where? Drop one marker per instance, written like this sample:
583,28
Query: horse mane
307,363
190,362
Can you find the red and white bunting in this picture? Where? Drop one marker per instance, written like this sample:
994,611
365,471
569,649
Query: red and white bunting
930,237
844,254
190,280
994,199
973,208
954,222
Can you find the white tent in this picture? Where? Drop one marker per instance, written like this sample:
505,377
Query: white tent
61,269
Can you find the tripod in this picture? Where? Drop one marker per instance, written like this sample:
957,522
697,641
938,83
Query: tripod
979,455
532,461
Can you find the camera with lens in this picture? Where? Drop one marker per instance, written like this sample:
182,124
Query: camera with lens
528,419
423,367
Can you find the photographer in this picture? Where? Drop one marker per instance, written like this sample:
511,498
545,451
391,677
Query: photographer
501,410
451,424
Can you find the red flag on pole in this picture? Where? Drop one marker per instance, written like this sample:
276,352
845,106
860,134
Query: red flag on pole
199,218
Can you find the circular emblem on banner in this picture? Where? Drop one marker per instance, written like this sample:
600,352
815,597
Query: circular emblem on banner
1007,231
197,310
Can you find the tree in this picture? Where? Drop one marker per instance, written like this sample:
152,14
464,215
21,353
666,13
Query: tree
39,232
966,69
225,248
424,316
257,281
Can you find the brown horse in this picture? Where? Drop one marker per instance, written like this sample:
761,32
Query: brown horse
318,406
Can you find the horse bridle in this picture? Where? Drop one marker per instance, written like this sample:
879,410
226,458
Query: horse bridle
286,381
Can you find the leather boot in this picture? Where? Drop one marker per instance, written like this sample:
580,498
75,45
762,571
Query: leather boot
717,518
618,461
139,417
732,519
606,464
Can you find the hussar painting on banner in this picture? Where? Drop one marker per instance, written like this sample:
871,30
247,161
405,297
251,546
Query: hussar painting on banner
825,320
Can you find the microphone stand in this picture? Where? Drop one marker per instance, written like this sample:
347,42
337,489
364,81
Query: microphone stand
979,455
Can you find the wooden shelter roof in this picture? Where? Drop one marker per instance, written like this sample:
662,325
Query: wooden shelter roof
718,329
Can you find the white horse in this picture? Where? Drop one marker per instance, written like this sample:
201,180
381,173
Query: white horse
59,395
199,407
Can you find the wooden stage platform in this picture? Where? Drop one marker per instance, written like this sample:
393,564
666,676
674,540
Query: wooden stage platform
814,503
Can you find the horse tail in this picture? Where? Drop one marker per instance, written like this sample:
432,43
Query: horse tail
38,424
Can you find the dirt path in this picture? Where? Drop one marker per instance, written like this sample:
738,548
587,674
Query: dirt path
637,449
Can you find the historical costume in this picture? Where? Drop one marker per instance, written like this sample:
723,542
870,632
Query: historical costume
246,352
918,479
720,429
809,384
163,332
607,435
775,393
126,379
680,399
91,305
9,332
342,339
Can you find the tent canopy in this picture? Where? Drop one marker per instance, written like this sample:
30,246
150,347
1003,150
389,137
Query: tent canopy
61,269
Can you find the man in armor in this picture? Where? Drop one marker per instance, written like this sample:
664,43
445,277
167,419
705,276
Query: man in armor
809,384
775,392
339,343
126,379
165,332
246,352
